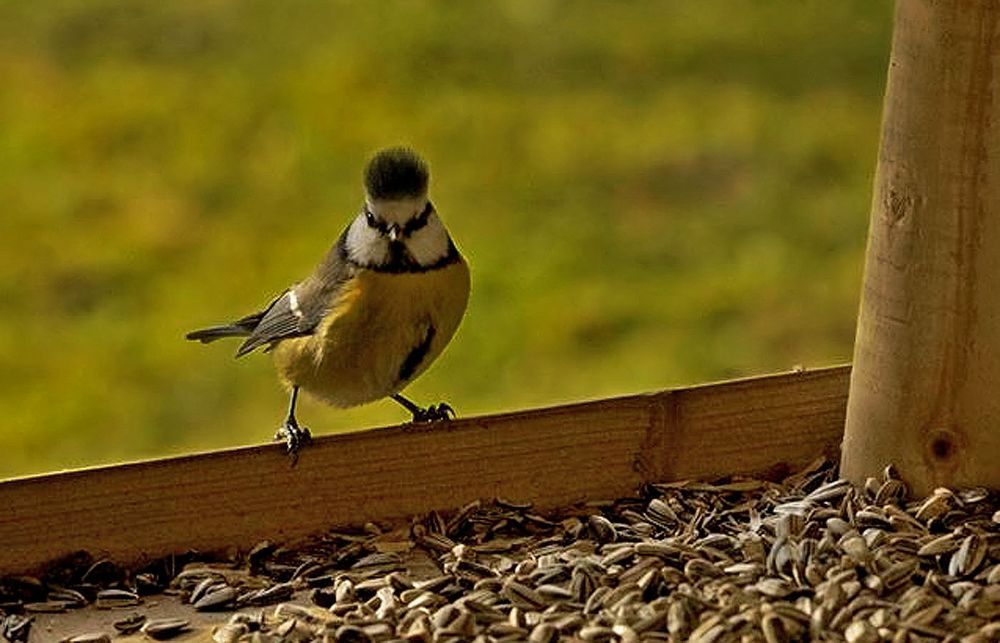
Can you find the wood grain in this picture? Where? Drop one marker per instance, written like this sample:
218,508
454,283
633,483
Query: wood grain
552,457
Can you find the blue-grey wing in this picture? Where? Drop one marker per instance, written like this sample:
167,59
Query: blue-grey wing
299,310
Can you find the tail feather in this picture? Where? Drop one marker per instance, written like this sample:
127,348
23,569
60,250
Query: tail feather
206,335
239,328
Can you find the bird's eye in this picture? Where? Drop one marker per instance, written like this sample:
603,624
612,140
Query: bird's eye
370,218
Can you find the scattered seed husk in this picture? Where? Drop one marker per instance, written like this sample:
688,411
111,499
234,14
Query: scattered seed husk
89,637
130,623
230,632
112,598
45,607
165,628
812,557
217,599
70,597
15,627
602,529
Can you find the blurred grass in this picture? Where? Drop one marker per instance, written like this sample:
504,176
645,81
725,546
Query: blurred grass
650,194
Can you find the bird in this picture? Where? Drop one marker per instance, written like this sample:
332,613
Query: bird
378,309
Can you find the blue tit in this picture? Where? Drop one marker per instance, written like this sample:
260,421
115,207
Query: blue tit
378,309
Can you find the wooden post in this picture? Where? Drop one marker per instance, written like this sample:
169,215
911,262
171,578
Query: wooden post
925,388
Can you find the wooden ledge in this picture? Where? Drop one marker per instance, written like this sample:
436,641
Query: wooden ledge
553,457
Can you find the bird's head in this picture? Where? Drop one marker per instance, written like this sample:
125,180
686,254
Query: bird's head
397,227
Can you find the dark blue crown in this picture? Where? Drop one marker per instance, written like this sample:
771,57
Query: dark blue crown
396,173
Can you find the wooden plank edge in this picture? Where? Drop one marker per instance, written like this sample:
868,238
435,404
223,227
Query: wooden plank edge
384,432
552,456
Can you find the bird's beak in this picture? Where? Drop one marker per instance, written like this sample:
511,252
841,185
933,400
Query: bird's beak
394,233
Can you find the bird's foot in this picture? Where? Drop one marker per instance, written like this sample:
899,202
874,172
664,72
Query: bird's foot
434,413
295,437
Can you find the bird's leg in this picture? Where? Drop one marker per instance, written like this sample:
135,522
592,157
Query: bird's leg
294,436
432,413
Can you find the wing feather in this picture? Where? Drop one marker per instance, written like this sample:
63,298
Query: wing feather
279,322
298,311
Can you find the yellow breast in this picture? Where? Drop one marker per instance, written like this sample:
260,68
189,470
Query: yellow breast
383,330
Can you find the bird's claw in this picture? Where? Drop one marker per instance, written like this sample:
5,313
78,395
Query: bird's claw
295,437
434,413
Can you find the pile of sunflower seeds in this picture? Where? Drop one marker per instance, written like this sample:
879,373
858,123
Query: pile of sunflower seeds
737,560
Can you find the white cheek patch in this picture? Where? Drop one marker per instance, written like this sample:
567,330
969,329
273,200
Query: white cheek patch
365,245
429,244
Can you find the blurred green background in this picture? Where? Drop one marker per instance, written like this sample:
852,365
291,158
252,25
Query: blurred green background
650,194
